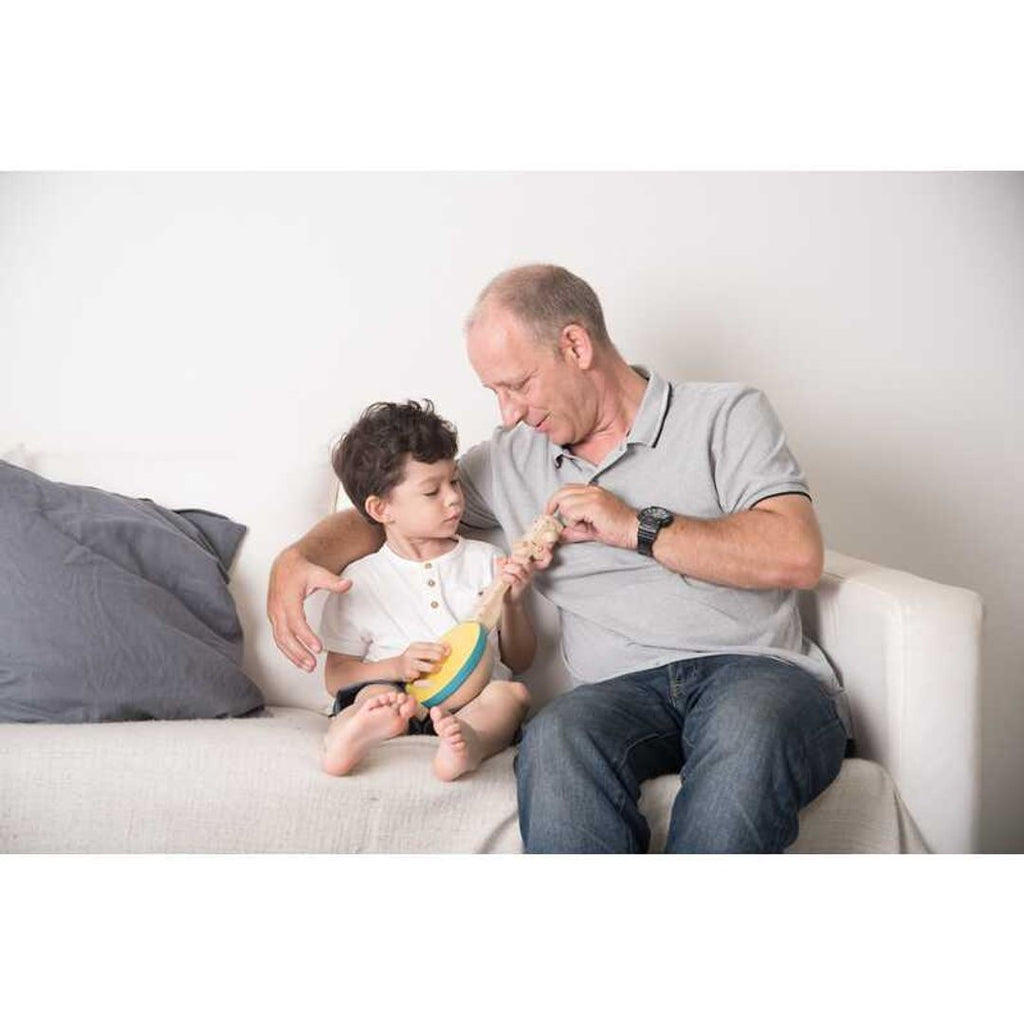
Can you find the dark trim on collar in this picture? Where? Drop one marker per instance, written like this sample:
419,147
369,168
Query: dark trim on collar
664,415
650,417
649,421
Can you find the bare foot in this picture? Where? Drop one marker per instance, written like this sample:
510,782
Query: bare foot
459,751
375,720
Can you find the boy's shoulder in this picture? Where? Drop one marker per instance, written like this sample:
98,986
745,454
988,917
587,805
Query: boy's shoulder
363,568
473,549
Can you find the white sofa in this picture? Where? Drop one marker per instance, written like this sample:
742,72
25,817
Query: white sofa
906,648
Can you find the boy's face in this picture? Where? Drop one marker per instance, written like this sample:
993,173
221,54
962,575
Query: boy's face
427,503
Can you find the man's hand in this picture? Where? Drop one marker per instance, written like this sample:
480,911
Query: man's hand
419,660
292,579
592,513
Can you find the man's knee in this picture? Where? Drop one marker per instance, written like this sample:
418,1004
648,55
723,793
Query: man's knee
757,762
772,726
566,730
548,728
770,705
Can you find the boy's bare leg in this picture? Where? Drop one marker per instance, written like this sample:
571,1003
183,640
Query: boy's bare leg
480,729
380,712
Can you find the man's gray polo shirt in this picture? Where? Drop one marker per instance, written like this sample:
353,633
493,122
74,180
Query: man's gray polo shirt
701,450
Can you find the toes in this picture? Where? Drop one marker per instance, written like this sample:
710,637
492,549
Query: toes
452,733
447,726
391,701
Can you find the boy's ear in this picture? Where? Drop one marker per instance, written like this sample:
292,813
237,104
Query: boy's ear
377,509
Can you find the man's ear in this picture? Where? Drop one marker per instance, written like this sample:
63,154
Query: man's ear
576,346
377,509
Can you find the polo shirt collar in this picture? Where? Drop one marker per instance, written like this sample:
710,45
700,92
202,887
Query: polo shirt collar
649,419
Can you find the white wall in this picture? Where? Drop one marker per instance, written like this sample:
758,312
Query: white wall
883,314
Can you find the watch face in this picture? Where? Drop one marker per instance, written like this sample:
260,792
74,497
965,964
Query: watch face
657,514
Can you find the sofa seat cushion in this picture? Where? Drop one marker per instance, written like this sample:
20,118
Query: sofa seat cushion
255,785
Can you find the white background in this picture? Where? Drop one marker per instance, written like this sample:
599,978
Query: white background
548,84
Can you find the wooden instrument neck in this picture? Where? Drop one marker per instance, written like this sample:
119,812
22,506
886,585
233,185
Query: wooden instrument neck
540,538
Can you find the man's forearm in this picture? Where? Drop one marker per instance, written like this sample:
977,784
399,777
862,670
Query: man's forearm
339,540
756,550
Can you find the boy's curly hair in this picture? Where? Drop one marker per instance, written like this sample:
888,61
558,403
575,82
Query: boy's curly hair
370,458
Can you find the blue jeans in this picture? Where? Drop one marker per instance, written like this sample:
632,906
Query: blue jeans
755,739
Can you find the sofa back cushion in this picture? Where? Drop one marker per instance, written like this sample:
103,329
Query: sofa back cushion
115,608
277,503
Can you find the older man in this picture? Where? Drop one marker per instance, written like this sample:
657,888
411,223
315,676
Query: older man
688,528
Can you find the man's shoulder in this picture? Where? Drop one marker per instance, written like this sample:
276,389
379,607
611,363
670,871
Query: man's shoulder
518,438
712,390
520,446
712,399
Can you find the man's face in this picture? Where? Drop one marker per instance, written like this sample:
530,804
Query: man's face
534,383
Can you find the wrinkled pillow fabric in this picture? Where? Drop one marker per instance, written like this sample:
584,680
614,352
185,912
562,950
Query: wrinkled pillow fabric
114,608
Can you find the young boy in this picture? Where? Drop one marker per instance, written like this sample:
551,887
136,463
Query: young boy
397,465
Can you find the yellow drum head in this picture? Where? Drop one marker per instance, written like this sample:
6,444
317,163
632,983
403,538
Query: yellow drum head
468,641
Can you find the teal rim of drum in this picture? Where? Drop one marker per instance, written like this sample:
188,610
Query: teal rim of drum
464,673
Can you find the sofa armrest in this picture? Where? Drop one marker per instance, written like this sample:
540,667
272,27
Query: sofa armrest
908,652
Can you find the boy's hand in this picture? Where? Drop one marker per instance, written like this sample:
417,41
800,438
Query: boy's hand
518,568
420,660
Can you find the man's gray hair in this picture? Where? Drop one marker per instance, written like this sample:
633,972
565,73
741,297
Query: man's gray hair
545,298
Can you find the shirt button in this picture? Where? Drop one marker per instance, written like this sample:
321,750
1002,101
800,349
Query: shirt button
430,583
433,604
428,565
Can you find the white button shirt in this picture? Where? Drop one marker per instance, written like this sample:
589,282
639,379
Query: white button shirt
395,602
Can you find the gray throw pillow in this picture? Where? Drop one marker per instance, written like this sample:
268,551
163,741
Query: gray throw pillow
114,608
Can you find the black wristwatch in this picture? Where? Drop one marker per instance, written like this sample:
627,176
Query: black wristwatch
650,521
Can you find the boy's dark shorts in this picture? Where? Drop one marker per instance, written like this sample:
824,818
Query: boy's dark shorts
417,726
346,698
